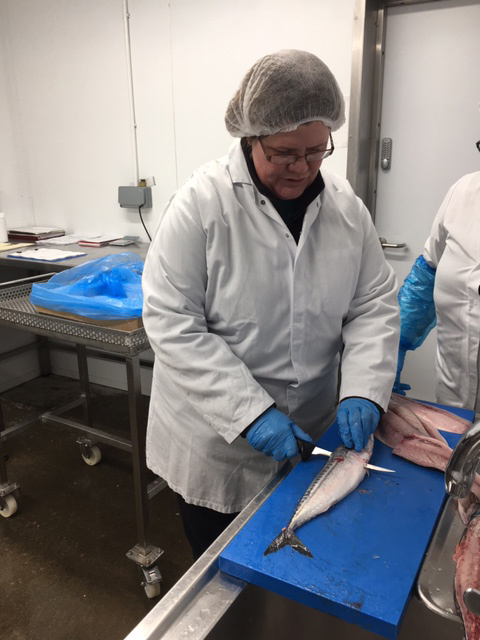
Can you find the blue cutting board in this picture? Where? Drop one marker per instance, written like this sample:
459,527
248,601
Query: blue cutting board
367,549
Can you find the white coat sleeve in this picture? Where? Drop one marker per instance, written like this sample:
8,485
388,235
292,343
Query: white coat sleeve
211,378
372,326
435,243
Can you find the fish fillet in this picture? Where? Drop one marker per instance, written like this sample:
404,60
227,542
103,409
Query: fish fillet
341,474
467,575
403,409
433,418
424,451
392,429
408,408
428,452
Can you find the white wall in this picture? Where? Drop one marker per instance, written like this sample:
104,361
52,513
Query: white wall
64,112
65,120
214,42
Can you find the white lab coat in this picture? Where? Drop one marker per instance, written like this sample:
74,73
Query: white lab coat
453,249
240,317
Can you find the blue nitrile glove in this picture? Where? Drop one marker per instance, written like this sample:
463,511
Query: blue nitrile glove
400,387
273,433
417,308
357,419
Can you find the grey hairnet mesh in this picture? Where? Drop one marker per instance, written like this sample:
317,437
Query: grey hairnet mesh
282,91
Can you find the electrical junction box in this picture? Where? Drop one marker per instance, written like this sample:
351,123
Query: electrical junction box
134,197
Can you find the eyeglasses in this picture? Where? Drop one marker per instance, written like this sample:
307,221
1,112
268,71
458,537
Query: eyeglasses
288,158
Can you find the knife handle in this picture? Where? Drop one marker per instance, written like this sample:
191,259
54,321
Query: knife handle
305,448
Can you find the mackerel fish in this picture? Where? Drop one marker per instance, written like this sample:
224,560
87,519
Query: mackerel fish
340,475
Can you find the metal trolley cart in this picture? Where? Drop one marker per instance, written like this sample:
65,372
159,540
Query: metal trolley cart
16,312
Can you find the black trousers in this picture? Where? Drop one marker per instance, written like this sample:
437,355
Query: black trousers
201,525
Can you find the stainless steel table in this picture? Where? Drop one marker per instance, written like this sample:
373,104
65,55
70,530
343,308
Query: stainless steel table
16,312
43,266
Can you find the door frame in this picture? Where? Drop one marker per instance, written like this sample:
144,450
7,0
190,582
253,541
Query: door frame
366,87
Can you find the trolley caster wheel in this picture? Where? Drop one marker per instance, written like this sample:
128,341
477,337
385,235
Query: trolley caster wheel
94,457
8,506
152,590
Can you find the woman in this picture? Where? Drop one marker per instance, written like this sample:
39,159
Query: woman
442,288
263,273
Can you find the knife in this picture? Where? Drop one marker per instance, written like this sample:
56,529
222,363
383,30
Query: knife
308,449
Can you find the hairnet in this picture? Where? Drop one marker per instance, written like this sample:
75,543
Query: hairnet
282,91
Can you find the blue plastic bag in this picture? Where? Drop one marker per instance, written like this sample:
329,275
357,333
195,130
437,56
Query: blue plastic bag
108,288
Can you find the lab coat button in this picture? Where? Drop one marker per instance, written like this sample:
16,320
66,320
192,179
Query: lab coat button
286,235
262,201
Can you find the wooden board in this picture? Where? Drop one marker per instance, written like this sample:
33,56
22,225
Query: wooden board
367,549
124,324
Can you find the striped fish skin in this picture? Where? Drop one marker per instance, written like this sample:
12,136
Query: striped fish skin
341,474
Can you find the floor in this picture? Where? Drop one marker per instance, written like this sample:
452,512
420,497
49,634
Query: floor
64,574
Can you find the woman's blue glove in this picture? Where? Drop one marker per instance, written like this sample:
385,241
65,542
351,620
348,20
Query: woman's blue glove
273,433
357,419
400,387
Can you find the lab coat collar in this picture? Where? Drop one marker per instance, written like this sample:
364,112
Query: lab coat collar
237,165
240,175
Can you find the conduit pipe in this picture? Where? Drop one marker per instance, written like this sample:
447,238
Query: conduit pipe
131,93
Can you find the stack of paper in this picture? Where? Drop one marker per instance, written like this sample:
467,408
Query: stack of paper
97,241
61,240
9,246
48,255
32,234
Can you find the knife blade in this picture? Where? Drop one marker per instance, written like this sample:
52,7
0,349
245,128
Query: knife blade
308,449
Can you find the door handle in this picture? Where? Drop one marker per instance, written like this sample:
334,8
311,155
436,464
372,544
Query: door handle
391,245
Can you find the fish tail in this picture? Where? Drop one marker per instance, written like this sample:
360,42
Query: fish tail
284,538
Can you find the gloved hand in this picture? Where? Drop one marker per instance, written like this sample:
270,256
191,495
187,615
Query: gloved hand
400,387
273,433
357,419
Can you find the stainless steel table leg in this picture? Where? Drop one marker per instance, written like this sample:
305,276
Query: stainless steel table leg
91,454
8,490
43,356
143,553
84,383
